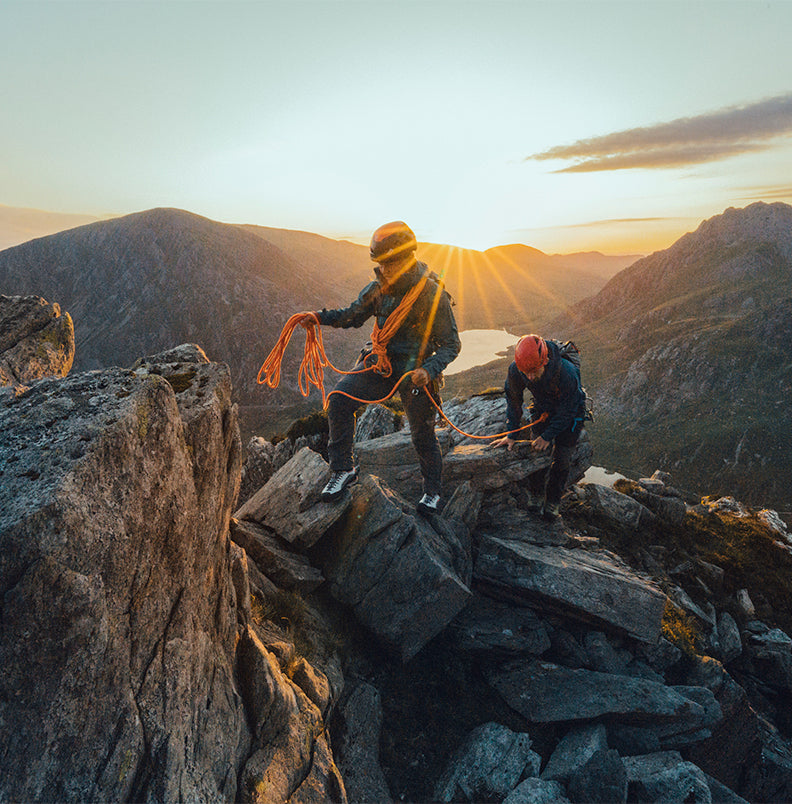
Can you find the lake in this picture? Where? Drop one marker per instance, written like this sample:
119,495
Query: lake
480,346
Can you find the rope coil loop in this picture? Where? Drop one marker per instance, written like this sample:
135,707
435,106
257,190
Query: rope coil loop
314,361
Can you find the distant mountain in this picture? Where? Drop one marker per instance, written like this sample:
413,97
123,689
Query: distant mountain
19,224
142,283
145,282
511,287
688,354
517,287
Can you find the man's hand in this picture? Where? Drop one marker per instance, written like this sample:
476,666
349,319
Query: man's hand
420,377
505,441
307,319
540,444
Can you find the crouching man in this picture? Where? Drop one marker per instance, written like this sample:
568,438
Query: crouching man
415,332
559,401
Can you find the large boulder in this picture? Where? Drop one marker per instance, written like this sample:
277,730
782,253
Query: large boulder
398,574
392,458
116,494
577,583
289,504
547,693
36,340
360,716
487,765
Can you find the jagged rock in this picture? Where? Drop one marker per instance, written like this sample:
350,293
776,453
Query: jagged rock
358,751
602,655
488,764
574,750
115,499
620,509
287,569
486,625
479,415
770,777
665,778
36,340
745,604
291,760
722,794
632,740
769,657
547,693
393,459
258,467
506,516
602,778
393,569
580,584
289,504
375,422
735,744
537,791
312,682
240,577
729,638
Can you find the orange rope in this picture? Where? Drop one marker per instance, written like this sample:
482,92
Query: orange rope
314,360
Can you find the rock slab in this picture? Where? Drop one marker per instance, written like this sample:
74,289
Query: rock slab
393,569
574,580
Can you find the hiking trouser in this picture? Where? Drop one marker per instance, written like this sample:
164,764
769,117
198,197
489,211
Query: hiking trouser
551,481
420,413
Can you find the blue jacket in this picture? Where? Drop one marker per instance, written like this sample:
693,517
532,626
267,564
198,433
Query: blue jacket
412,346
557,392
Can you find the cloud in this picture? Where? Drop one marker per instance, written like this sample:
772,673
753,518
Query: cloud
766,193
686,141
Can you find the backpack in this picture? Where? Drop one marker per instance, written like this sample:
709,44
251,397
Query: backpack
570,352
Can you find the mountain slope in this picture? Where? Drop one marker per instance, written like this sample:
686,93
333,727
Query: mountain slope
503,287
687,353
148,281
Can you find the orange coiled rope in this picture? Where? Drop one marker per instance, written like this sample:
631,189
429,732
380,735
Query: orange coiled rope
311,371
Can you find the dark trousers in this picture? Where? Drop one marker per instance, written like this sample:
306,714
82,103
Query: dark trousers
420,414
550,482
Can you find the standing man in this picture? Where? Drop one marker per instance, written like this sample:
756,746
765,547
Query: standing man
558,397
415,332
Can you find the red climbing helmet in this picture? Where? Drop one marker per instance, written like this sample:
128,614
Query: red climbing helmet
392,241
530,353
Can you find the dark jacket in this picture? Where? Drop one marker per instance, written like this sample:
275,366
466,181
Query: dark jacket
557,392
405,348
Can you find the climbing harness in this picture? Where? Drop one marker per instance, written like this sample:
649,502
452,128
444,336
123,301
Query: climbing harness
311,371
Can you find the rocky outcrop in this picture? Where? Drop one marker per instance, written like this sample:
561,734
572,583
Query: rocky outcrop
115,585
36,340
396,571
289,649
692,373
123,599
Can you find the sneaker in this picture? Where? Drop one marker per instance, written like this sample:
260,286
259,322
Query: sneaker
428,504
552,512
337,483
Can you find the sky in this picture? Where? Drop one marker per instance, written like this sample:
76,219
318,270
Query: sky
567,126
